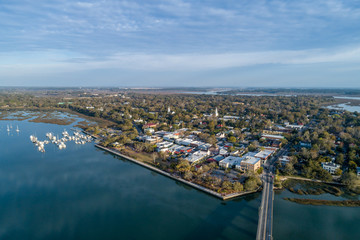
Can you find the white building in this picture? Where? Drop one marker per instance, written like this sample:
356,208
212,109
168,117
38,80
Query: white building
196,156
249,164
230,162
163,145
330,166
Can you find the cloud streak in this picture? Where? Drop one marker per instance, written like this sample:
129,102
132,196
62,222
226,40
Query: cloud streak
55,62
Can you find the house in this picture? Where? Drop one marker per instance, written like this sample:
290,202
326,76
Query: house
284,160
358,171
250,164
230,162
330,166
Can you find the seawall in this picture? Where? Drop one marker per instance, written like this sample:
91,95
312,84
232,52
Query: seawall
201,188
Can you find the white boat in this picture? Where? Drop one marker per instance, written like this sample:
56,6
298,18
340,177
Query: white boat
33,138
17,129
61,145
8,129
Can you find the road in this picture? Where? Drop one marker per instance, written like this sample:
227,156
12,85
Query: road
264,231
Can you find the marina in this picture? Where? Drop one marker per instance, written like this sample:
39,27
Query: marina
77,137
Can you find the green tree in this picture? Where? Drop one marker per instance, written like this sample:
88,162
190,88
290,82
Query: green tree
226,186
238,187
183,166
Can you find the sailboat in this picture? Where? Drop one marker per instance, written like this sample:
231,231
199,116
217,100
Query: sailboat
8,129
17,129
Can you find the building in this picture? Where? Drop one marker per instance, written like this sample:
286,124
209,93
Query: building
272,137
250,164
223,151
284,160
150,130
330,166
196,156
230,162
358,171
163,145
294,126
264,155
217,158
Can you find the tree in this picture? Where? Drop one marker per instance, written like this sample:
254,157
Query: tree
252,183
232,139
260,170
349,179
183,166
188,175
340,159
324,175
226,185
289,169
238,187
352,166
338,172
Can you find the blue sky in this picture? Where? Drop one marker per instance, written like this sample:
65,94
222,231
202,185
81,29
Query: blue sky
238,43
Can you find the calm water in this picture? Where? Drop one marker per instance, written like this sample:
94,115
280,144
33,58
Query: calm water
84,193
298,222
344,106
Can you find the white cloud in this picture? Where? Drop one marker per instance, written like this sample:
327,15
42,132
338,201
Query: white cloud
53,62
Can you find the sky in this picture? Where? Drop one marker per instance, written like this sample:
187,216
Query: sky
180,43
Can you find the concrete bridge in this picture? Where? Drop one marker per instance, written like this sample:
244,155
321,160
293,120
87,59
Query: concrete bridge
265,224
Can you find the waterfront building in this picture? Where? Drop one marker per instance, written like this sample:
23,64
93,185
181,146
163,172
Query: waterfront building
196,156
230,162
250,164
330,166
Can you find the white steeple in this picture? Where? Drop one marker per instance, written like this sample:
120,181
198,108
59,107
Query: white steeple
216,112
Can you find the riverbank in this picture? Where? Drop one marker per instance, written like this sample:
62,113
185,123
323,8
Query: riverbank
317,202
312,187
176,178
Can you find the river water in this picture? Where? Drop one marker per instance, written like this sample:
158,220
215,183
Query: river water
84,193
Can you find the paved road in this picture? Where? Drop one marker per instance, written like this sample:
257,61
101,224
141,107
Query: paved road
264,231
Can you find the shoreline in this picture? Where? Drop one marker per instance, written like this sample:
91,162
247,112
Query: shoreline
166,174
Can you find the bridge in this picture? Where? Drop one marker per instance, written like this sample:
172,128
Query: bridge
264,230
